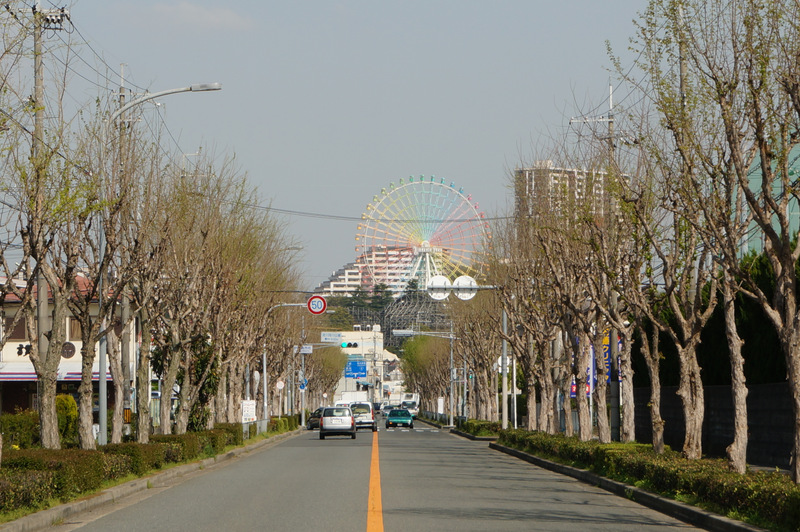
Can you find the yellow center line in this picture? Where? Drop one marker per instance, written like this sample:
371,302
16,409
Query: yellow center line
374,506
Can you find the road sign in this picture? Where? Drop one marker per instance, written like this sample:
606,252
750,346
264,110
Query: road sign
306,349
439,287
355,369
465,287
317,305
279,385
330,337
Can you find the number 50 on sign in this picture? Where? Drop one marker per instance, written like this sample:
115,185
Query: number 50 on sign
317,304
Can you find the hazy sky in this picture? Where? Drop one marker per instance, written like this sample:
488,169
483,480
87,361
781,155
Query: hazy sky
326,102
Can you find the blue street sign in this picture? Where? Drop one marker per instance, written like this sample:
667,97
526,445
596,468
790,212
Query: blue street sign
355,369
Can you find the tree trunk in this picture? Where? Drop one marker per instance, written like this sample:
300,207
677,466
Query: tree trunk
652,358
581,381
495,400
601,391
737,451
546,390
115,364
627,406
143,420
231,397
47,372
690,390
566,400
86,402
220,398
48,418
167,385
531,401
791,344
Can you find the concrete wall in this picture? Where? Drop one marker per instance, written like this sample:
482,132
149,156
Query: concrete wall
770,420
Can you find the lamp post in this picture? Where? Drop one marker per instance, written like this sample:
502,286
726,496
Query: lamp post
102,363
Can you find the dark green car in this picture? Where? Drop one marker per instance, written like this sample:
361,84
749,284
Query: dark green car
398,417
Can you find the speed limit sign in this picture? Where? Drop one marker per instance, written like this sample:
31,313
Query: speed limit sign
317,304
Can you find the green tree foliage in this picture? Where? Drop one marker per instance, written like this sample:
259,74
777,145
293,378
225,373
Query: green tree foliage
381,298
341,319
67,412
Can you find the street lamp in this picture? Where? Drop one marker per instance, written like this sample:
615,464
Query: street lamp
102,385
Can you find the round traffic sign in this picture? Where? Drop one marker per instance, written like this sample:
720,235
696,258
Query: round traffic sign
317,304
439,287
465,287
279,385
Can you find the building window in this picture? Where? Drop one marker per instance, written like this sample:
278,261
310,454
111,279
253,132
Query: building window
19,333
74,330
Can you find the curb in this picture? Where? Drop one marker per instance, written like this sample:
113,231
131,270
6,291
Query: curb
678,510
471,436
52,516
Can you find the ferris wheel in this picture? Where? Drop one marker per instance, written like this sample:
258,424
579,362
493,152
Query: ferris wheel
418,228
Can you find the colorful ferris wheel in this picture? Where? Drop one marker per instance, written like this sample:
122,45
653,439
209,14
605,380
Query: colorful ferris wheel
418,228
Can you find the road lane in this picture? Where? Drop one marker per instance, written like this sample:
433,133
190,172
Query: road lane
425,479
437,481
301,484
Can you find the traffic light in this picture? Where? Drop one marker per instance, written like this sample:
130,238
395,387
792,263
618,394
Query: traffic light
349,344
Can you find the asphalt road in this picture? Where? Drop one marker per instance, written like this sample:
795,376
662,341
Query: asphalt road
429,480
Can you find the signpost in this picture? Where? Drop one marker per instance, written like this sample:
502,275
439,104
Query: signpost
317,305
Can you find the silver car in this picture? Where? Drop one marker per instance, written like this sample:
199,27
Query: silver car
337,420
365,416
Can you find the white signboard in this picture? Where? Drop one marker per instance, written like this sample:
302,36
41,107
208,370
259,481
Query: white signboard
248,411
306,349
330,337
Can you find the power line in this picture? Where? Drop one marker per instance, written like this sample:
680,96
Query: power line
307,214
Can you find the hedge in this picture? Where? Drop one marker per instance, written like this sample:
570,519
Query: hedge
180,447
75,470
769,496
25,489
235,432
143,457
480,427
20,429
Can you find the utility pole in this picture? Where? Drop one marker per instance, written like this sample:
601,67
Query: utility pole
53,20
126,303
42,300
613,389
504,370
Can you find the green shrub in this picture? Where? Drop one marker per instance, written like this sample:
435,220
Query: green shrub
75,470
143,457
116,466
180,447
219,440
20,429
279,424
235,432
25,489
67,411
480,427
213,442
